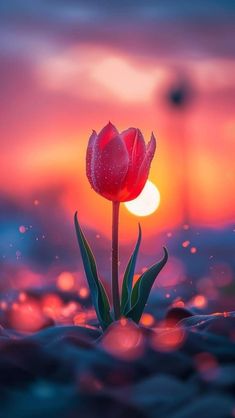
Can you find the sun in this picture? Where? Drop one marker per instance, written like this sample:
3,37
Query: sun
147,202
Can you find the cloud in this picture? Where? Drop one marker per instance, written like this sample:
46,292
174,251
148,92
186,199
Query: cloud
98,74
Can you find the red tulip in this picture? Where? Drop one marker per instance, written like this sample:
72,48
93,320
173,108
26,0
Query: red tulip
117,164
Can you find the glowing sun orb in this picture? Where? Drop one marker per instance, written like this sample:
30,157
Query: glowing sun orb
147,202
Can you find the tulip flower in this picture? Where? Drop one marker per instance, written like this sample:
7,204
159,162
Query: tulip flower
117,167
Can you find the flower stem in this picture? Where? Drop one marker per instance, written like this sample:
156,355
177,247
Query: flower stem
115,287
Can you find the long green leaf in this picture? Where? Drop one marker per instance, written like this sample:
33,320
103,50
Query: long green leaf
128,277
95,274
98,294
142,288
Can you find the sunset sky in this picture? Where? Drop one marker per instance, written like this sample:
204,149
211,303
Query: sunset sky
68,67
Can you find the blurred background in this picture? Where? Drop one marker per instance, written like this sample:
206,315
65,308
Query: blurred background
67,67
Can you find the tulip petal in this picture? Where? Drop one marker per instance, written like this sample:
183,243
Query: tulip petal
107,134
110,162
135,145
143,173
151,147
89,154
136,148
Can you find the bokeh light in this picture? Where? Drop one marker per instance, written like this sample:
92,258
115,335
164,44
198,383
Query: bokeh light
124,339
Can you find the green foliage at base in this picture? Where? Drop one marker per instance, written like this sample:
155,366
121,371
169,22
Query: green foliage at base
133,298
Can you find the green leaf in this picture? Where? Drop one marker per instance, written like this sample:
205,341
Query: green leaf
98,294
128,277
142,288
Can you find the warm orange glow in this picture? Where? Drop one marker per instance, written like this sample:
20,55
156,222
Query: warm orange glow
147,320
83,317
52,305
66,281
27,316
125,81
136,95
135,278
199,301
70,309
178,303
123,339
83,292
80,318
168,340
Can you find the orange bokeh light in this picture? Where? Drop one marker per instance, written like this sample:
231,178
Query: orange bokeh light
147,320
123,339
52,305
27,316
66,281
199,301
83,317
168,340
83,292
